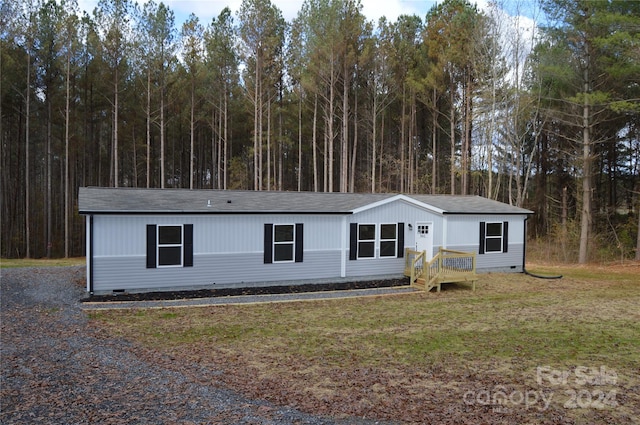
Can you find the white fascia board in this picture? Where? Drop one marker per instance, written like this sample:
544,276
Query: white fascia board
423,205
395,198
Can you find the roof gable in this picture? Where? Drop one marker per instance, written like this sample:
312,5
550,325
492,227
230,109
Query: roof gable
402,198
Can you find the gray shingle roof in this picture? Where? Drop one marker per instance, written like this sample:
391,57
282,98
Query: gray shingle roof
167,201
468,204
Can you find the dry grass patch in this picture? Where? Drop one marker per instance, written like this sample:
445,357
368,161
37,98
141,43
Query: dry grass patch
414,357
41,262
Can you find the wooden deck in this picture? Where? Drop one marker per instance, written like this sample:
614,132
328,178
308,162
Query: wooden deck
446,266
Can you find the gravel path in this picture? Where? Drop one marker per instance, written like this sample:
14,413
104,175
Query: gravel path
56,369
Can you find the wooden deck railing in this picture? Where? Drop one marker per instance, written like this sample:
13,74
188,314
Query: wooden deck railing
446,266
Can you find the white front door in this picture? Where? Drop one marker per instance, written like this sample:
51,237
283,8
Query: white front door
424,238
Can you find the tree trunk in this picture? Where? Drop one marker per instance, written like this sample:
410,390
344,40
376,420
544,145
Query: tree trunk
260,127
344,150
325,150
434,146
66,160
314,143
268,144
585,219
192,132
216,126
149,127
452,129
402,136
329,118
269,155
352,175
218,148
280,142
565,212
410,142
135,158
299,139
466,145
48,162
381,178
27,176
469,130
374,113
115,130
256,106
162,171
226,134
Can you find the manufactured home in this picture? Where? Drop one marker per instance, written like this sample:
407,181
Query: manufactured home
167,239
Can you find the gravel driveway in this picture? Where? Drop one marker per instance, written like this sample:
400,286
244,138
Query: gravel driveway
56,369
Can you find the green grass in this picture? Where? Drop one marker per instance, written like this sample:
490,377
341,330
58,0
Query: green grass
41,262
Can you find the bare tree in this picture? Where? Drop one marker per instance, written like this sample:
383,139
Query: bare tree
192,33
262,31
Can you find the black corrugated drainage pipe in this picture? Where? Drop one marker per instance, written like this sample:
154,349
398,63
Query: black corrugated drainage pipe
541,277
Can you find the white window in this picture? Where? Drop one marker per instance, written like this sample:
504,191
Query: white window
388,240
366,240
284,236
170,246
493,237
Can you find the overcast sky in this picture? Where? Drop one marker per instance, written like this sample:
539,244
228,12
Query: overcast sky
205,10
373,9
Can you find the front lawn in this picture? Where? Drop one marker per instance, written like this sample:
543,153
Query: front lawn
518,349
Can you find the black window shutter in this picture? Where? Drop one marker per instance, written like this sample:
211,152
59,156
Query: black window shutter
505,236
400,240
299,242
151,246
188,245
268,243
353,241
482,230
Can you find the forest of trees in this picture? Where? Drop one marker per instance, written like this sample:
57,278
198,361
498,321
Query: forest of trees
460,101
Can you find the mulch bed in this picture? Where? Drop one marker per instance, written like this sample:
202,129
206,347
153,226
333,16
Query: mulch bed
229,292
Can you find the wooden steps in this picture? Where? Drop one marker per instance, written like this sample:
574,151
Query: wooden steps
447,266
422,284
